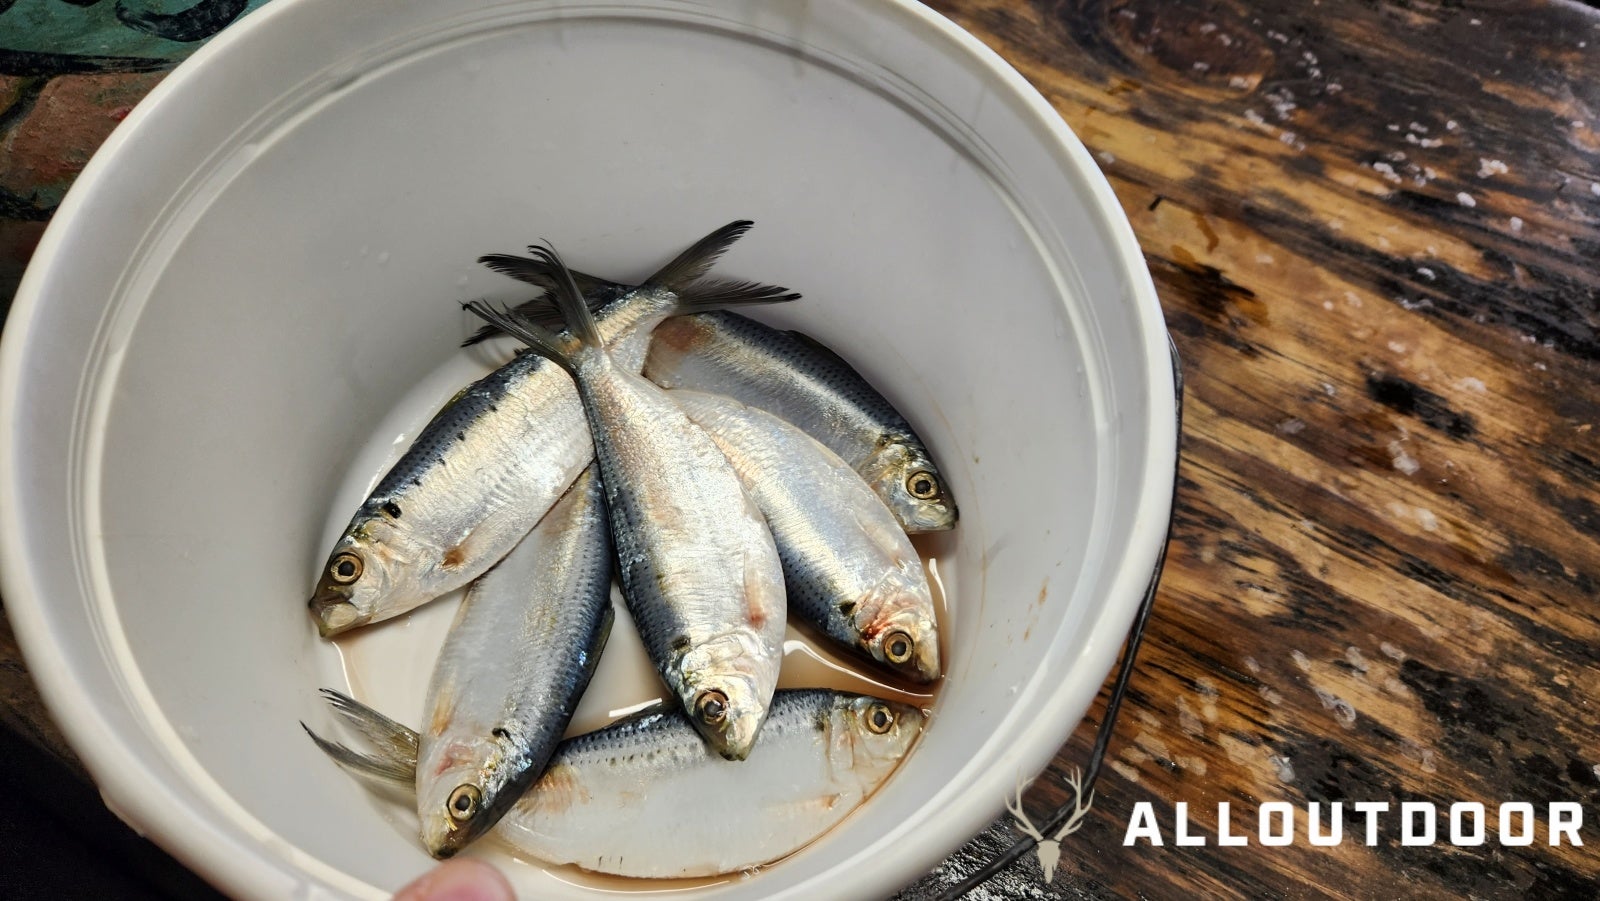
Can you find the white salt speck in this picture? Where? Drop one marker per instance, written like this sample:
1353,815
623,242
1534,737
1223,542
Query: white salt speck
1596,770
1466,199
1579,124
1251,665
1278,36
1264,258
1106,157
1334,87
1336,225
1397,347
1284,768
1328,389
1387,171
1270,695
1300,660
1393,126
1224,40
1430,142
1474,21
1418,127
1327,304
1353,299
1403,461
1238,81
1397,155
1426,273
1355,658
1428,766
1202,66
1451,125
1392,652
1428,173
1488,167
1540,367
1594,188
1254,117
1427,520
1472,384
1411,138
1288,137
1208,28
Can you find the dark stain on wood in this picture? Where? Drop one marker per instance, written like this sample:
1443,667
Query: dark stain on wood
1410,399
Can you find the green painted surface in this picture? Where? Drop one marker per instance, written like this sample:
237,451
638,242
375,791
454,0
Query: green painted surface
117,28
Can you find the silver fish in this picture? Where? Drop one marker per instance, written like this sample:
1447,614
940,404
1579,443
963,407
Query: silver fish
796,378
494,459
848,568
698,567
642,797
512,668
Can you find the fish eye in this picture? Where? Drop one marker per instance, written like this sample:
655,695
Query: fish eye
711,707
463,803
345,568
923,485
898,647
880,718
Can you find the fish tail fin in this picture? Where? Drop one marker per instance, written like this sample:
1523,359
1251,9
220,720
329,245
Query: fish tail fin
395,760
569,298
682,276
723,292
373,726
539,339
697,260
538,272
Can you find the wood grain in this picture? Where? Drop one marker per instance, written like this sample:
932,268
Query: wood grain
1374,228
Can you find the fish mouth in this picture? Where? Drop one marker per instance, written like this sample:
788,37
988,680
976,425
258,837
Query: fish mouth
333,613
931,516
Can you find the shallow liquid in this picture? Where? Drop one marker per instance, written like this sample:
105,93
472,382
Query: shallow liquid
388,665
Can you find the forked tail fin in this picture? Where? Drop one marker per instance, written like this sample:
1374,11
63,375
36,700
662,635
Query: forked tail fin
395,760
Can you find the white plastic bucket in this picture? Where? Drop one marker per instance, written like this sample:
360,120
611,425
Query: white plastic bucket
263,261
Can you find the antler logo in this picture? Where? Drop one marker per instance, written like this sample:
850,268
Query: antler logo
1050,848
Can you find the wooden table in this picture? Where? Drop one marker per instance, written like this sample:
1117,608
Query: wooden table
1374,227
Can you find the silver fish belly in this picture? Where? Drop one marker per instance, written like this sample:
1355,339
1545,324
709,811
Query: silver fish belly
522,649
799,380
848,568
643,797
